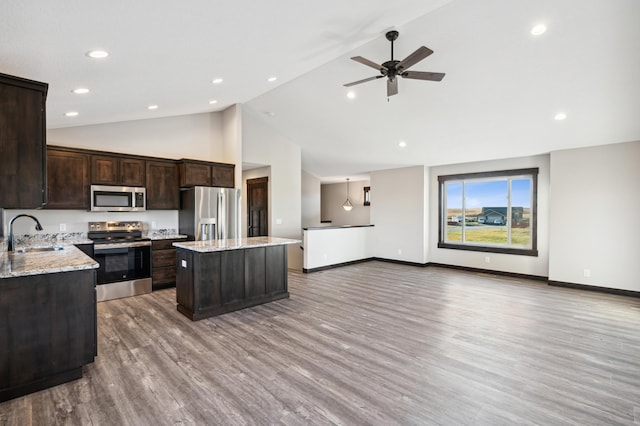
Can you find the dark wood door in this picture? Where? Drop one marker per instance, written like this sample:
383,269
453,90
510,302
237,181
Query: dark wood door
104,170
22,143
163,192
194,174
67,179
257,207
222,175
132,172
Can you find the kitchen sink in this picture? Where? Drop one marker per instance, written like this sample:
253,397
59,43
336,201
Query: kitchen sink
38,249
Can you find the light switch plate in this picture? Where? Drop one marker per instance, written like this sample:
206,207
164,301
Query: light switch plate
183,263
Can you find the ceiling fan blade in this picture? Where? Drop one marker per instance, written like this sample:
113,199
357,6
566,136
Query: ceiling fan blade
422,75
421,53
362,81
368,63
392,87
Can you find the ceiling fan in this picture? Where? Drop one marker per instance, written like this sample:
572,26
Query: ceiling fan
394,68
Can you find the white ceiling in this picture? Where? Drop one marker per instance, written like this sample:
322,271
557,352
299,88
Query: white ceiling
502,88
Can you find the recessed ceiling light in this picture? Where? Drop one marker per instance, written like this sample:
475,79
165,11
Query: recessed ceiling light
152,107
97,54
71,113
272,79
351,94
213,101
402,144
538,29
80,90
217,81
560,116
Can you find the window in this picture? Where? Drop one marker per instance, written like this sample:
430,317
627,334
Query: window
489,212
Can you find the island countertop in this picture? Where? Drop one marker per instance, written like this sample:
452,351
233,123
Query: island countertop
70,258
233,244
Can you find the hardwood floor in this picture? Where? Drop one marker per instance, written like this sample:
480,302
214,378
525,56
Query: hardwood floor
371,343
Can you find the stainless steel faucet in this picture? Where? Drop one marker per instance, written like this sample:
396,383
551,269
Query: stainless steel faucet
10,238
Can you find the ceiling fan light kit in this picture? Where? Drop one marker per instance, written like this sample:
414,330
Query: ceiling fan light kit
394,68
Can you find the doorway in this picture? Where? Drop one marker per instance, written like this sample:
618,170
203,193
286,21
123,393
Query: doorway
257,207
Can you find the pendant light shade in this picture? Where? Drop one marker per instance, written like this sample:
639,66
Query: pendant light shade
347,204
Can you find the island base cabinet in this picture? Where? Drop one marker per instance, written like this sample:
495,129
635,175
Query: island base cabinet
48,330
214,283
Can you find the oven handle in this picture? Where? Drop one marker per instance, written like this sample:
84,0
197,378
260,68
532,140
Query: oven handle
106,250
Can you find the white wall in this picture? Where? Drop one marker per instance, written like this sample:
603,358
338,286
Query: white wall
196,136
398,211
77,220
595,201
333,196
332,246
311,203
528,265
262,145
252,174
232,140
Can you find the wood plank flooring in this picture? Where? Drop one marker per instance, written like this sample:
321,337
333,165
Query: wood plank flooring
372,343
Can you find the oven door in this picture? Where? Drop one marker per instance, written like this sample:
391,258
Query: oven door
122,263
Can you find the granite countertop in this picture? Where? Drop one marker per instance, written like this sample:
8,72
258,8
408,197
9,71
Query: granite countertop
233,244
70,258
315,228
155,237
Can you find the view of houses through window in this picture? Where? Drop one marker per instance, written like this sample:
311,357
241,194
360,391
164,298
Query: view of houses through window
488,210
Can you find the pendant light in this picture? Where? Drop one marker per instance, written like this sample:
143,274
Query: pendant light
347,204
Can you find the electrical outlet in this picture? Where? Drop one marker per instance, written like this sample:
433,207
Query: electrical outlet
183,263
63,227
154,224
278,221
487,259
587,273
399,251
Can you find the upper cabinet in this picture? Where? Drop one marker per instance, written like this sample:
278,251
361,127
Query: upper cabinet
22,143
163,192
113,170
68,179
204,173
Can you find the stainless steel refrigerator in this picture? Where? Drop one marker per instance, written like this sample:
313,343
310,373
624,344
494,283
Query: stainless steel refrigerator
208,213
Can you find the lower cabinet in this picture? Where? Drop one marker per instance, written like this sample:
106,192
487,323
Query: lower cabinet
48,330
163,263
214,283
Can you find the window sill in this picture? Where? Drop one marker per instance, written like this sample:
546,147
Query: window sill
487,249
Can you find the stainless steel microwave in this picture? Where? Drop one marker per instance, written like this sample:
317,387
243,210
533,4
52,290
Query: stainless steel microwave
118,198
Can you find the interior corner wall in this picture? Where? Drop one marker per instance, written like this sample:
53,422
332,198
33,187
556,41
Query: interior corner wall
194,136
398,214
311,200
594,230
263,145
253,174
527,265
232,140
333,196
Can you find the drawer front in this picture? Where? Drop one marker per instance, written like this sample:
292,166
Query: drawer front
164,258
164,275
163,244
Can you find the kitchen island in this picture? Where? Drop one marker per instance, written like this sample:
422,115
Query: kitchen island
47,318
219,276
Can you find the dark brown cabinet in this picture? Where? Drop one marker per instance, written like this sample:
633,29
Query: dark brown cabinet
163,192
163,263
112,170
22,143
204,173
68,179
214,283
48,330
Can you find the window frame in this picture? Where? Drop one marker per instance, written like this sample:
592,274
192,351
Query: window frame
442,180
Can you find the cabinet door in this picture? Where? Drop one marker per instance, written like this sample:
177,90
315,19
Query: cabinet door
104,170
222,175
132,172
194,174
68,180
22,146
162,186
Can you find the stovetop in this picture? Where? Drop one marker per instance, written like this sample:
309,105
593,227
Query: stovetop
115,232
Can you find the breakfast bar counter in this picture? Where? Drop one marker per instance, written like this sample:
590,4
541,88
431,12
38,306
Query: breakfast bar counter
219,276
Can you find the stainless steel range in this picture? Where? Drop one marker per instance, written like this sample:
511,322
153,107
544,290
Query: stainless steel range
124,257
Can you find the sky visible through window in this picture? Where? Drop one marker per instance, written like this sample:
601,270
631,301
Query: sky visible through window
490,193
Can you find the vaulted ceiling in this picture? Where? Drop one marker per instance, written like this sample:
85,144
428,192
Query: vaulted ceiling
502,89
